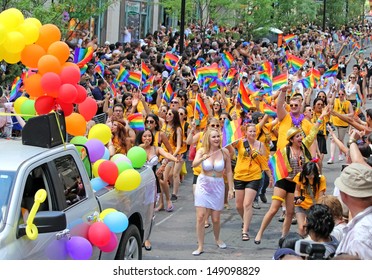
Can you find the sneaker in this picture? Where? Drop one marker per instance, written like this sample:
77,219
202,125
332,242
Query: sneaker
256,205
282,217
263,198
330,161
174,197
340,158
294,221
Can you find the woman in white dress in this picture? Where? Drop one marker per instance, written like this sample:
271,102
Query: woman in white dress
210,186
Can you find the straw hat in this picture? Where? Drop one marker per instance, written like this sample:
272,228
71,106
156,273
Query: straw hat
292,132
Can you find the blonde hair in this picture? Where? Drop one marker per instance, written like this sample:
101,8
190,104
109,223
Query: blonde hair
205,144
334,205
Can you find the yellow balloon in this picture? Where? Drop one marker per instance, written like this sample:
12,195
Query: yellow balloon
101,132
33,21
11,18
2,33
14,42
95,167
30,32
18,103
11,58
103,214
128,180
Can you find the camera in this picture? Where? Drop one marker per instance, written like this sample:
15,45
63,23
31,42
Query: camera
301,197
311,250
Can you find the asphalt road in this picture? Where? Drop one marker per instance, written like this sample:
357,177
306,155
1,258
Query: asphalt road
174,237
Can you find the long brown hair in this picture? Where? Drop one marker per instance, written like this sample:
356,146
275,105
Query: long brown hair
121,133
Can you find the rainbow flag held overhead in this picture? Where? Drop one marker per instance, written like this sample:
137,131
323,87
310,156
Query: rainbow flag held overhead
269,110
331,72
83,55
227,59
83,69
230,75
307,82
122,76
266,73
358,109
243,97
168,94
231,132
295,63
136,121
205,72
170,61
277,166
148,85
16,85
279,81
134,78
316,74
288,38
99,68
200,107
113,90
145,71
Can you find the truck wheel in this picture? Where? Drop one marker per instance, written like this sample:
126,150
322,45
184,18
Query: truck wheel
130,245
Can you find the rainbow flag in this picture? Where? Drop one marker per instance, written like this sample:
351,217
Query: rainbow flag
83,56
145,71
358,109
243,97
83,70
203,73
136,121
316,74
199,63
289,38
227,59
200,107
306,82
231,132
230,75
269,110
356,45
134,78
277,166
170,61
279,81
147,85
15,88
122,76
113,89
100,68
331,72
295,63
168,94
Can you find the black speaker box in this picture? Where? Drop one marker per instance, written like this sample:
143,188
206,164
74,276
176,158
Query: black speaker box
44,131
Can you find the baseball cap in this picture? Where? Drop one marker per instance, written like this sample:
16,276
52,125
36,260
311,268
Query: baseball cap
245,44
195,83
281,252
107,43
355,180
322,66
245,75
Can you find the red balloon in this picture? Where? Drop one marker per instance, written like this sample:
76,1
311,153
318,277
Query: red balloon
67,93
111,245
67,108
99,234
50,82
82,94
70,75
108,171
44,104
88,108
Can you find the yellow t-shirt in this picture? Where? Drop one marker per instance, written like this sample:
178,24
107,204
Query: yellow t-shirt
309,199
197,170
341,108
323,126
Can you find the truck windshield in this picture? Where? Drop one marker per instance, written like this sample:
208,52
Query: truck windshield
6,182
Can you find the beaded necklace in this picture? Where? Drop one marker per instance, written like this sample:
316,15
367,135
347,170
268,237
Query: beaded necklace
297,121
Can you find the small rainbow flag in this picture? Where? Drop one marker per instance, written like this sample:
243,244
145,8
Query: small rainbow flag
134,78
145,71
231,132
331,72
136,121
168,94
279,81
113,90
269,110
289,38
306,82
15,88
315,73
170,60
358,109
266,79
295,63
277,166
227,59
83,56
83,70
200,107
147,85
230,75
122,76
243,97
203,73
99,68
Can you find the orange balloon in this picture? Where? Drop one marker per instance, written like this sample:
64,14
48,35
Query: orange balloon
60,50
33,85
31,55
48,34
75,124
49,63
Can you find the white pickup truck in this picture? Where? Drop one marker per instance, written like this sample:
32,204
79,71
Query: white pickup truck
25,169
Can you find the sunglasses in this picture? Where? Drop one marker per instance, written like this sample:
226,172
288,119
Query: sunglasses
181,114
222,119
215,125
174,102
353,77
169,114
293,105
216,104
150,121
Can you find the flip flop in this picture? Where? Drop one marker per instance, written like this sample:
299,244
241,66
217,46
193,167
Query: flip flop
170,209
207,225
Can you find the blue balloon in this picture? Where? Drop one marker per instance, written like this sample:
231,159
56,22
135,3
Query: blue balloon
97,183
117,222
106,155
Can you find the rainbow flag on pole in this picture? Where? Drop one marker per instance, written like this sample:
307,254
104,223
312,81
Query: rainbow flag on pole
331,72
122,76
134,79
269,110
200,107
168,94
99,68
15,88
279,81
230,75
295,63
136,121
227,59
145,71
83,56
170,61
231,132
207,72
288,38
277,166
243,97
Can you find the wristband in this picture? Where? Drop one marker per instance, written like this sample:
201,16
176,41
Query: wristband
351,141
319,121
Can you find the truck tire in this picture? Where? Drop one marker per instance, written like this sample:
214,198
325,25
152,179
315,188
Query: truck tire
130,245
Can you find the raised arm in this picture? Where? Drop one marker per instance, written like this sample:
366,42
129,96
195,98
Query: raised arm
281,111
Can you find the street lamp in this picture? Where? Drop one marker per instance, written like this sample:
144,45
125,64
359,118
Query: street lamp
182,27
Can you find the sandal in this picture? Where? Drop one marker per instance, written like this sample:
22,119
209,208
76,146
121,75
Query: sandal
245,236
207,225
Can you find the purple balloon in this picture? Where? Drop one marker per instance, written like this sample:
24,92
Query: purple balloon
56,250
79,248
96,149
109,247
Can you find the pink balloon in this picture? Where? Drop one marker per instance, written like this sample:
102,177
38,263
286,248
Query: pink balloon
99,234
82,94
50,82
111,245
67,93
44,104
70,75
88,108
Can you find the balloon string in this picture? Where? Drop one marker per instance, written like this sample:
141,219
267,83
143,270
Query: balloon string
60,130
14,115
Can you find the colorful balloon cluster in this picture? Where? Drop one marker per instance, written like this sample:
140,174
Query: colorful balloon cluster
53,83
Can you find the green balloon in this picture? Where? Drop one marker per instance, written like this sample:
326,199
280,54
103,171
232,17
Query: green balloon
123,165
137,156
79,140
28,108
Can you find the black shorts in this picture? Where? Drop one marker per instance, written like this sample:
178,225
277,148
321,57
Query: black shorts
273,148
195,179
242,185
286,185
322,143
